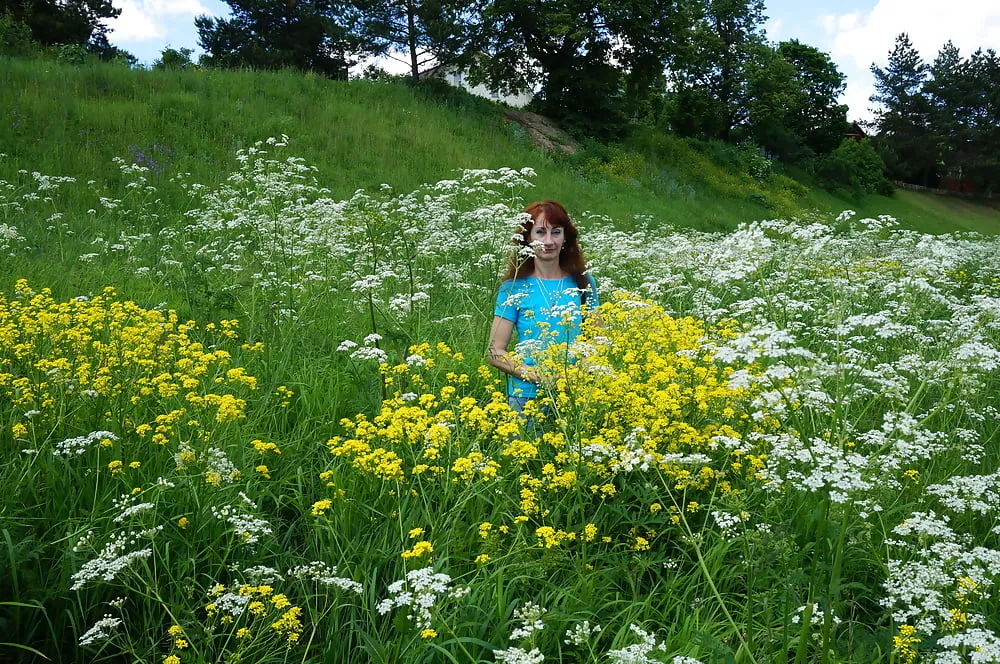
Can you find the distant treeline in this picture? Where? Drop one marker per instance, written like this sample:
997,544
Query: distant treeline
938,125
702,69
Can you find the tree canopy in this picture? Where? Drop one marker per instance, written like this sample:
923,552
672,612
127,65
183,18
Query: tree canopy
577,53
939,121
55,22
312,35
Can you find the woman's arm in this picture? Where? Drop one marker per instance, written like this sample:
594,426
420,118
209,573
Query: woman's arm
498,356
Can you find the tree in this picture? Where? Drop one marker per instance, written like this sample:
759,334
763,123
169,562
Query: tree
718,53
902,121
64,21
818,119
311,35
581,54
775,100
854,166
951,99
174,58
983,71
428,32
15,37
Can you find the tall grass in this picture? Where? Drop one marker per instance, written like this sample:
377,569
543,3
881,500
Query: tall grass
272,439
779,445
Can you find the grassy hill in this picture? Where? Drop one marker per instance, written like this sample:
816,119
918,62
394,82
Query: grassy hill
245,414
72,120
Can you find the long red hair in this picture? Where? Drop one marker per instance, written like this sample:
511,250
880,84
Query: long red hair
570,258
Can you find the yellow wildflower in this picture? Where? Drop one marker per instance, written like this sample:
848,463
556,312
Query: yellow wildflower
419,549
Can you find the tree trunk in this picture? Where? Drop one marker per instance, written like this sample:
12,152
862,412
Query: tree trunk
411,37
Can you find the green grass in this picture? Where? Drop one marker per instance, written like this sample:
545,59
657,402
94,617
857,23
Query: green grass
71,120
891,356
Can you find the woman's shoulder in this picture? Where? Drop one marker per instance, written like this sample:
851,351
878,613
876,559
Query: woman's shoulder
517,282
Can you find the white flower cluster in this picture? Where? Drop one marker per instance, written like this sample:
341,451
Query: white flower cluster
728,522
129,506
969,493
79,445
9,236
216,461
263,574
514,655
369,349
246,526
638,653
419,592
937,573
117,555
814,465
231,603
580,633
101,630
326,575
530,617
817,616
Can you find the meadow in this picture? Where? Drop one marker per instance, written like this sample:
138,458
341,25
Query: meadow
247,418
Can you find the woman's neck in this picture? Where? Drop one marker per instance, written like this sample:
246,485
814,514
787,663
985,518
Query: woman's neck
548,270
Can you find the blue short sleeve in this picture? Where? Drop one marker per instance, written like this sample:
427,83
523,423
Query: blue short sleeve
592,298
508,301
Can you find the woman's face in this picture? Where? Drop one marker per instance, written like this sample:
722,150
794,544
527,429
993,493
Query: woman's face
547,240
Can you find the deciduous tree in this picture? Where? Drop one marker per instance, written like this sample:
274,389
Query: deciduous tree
422,33
819,119
312,35
717,55
63,21
580,54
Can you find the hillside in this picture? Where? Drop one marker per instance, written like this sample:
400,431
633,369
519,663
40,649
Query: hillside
72,120
247,412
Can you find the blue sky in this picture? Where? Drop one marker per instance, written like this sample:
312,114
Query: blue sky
855,33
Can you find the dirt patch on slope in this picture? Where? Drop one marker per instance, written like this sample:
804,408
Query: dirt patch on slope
542,131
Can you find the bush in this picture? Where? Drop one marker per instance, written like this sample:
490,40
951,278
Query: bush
15,37
744,157
71,54
855,167
174,58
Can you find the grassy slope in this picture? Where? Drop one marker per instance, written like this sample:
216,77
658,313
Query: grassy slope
65,120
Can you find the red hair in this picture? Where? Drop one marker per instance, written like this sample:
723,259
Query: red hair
570,258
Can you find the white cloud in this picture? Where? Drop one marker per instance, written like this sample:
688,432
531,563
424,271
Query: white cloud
773,29
829,23
858,39
970,24
145,20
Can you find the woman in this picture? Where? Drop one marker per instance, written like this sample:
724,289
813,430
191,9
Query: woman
541,298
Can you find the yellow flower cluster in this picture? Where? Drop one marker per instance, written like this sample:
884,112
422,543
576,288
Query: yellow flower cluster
419,550
640,395
437,434
142,367
905,642
270,614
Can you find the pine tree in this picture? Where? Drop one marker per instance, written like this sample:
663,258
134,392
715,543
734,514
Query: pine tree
902,120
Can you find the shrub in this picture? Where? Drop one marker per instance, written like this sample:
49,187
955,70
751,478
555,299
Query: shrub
174,58
15,37
856,167
71,54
